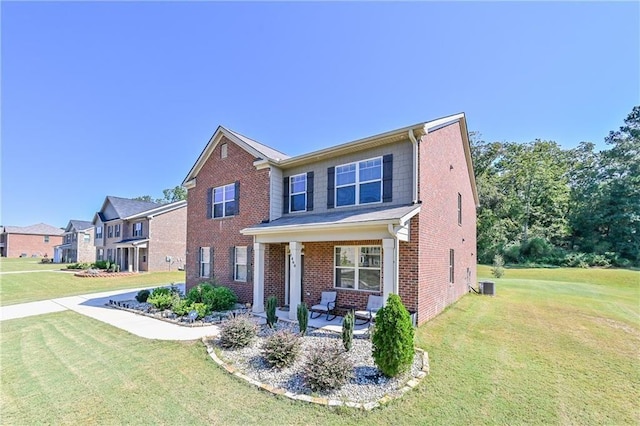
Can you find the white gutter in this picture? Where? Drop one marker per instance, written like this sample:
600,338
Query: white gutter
414,142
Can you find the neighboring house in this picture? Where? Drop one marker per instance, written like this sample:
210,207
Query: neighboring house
29,241
141,236
390,213
77,243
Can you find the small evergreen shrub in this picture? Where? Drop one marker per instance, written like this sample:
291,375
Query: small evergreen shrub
497,270
281,349
200,308
142,296
238,332
272,303
198,293
392,338
160,300
303,318
220,298
347,330
181,307
328,367
160,290
100,264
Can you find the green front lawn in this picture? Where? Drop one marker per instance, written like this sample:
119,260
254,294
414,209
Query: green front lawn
539,352
11,264
30,287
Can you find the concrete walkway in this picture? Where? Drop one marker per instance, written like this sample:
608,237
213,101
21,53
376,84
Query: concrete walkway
95,306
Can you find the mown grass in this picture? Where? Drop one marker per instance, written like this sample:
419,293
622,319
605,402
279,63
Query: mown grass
26,264
539,352
30,287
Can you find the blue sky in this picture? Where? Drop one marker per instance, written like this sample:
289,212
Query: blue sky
120,98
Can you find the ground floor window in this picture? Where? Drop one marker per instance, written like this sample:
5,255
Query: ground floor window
205,262
358,267
240,264
452,266
100,254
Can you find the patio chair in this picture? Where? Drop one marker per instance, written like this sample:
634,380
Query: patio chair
374,304
327,305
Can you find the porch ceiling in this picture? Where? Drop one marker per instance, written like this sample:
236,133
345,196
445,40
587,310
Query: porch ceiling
339,225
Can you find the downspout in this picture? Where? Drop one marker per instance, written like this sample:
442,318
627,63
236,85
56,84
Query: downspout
414,142
396,258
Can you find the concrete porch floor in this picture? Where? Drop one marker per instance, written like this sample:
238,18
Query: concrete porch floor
335,325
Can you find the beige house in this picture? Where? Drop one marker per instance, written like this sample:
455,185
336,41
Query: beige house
141,236
77,243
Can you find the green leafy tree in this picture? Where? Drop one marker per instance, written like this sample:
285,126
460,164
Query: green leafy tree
392,338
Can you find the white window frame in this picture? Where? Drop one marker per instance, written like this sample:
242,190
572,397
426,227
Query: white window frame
100,255
237,264
86,238
137,232
110,231
292,180
357,268
358,182
117,230
98,232
223,202
204,259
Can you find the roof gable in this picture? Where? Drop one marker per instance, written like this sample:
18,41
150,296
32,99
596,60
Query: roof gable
78,225
37,229
121,208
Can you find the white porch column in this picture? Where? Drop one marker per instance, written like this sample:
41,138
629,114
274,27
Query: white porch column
136,259
389,267
258,277
295,279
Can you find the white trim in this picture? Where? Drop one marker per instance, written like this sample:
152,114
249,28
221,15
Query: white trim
356,267
291,193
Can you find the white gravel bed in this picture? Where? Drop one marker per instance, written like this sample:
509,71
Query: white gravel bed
367,385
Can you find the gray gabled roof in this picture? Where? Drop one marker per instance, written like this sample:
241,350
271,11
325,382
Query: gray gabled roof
37,229
126,207
79,225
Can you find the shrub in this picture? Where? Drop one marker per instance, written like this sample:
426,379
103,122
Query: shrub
392,338
238,332
142,296
303,318
272,303
512,253
181,307
198,293
100,264
220,298
281,349
575,260
497,270
160,300
200,308
160,290
328,367
347,330
79,266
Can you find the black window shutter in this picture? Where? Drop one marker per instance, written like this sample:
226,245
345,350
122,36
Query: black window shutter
249,264
232,262
309,191
285,195
331,186
237,198
211,262
387,178
210,203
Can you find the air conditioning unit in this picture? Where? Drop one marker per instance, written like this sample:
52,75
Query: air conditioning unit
488,288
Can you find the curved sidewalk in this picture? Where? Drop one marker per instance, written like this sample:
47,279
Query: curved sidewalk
95,306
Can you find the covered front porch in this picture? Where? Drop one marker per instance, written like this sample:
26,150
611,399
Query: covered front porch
321,323
131,255
354,253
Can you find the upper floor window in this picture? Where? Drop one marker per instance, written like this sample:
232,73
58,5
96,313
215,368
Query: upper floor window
46,238
298,193
459,209
137,229
67,238
359,183
86,238
109,231
224,200
117,230
240,264
98,232
358,267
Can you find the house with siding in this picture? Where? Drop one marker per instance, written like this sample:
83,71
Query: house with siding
29,241
389,213
140,235
78,243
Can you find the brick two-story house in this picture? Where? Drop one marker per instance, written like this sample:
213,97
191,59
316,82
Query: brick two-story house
390,213
77,243
29,241
140,235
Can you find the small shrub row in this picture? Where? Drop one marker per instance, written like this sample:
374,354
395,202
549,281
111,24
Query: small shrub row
281,348
238,332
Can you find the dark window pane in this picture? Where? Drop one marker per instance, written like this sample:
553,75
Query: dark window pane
369,280
217,210
345,278
370,192
298,203
346,196
230,208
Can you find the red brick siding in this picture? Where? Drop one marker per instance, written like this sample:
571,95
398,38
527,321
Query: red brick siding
221,234
17,244
444,174
167,237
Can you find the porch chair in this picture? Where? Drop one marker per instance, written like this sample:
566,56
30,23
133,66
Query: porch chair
374,304
327,305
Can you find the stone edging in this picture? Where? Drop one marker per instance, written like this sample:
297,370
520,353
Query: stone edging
168,320
412,383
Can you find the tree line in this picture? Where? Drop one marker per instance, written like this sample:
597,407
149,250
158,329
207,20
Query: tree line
542,204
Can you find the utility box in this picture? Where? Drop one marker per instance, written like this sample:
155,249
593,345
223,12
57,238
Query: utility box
488,288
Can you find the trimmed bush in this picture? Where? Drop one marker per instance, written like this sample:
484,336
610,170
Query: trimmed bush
220,299
200,308
238,332
347,330
198,293
303,318
142,296
181,307
328,367
497,270
101,264
272,318
392,338
281,349
160,290
160,300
